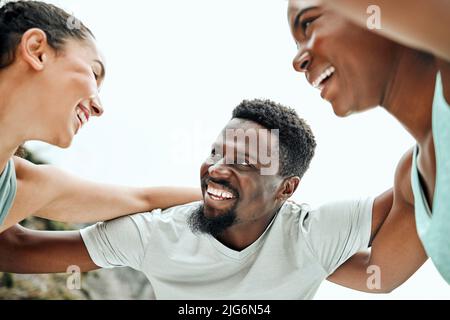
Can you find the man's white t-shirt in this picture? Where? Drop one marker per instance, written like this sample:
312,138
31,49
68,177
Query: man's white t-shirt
296,252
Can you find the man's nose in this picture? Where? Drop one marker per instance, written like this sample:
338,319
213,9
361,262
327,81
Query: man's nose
302,61
219,169
96,107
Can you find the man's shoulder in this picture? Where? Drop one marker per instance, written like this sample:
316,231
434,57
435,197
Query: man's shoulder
303,213
176,213
293,213
326,215
183,209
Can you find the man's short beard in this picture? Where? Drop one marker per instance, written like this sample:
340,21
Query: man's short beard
215,226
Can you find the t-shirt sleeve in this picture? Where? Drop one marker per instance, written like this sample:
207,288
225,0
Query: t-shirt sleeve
336,231
116,243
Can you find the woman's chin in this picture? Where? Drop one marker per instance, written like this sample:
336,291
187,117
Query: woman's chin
65,145
65,141
342,109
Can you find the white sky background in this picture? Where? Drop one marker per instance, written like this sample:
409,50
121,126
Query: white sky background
175,71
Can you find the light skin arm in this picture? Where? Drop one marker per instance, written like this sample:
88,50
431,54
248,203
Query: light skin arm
27,251
50,193
396,247
421,24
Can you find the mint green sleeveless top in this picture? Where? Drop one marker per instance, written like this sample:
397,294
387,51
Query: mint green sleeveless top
8,186
434,227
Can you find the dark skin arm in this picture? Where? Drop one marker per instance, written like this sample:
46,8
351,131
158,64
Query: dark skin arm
396,247
27,251
419,24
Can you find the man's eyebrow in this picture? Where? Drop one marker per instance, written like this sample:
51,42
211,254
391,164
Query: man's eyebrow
299,15
102,67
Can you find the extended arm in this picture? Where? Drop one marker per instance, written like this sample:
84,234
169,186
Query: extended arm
421,24
397,251
48,192
26,251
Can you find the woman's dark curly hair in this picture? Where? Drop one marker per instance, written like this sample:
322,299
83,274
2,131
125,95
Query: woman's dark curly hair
16,17
296,140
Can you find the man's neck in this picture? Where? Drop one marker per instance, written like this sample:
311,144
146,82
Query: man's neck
409,93
243,234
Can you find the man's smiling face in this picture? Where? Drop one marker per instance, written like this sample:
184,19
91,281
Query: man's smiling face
234,190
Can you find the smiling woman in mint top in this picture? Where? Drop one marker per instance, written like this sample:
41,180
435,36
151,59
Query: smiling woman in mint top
50,74
404,67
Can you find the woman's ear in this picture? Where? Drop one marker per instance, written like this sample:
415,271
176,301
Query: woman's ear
288,187
34,48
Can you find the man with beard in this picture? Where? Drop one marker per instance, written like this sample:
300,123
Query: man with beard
244,240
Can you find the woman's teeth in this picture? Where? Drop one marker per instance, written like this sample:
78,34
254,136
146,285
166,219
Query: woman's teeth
327,73
217,194
82,116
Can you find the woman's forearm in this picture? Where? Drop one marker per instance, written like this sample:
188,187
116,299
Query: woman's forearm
420,24
166,197
106,202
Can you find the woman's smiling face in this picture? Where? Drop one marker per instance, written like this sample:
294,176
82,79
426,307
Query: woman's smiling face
69,85
51,71
350,65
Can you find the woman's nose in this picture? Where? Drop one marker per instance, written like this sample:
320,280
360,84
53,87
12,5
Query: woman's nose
96,107
302,61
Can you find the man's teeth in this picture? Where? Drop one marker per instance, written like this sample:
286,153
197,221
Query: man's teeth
220,193
328,72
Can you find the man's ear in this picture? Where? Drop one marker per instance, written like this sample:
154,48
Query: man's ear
288,187
34,48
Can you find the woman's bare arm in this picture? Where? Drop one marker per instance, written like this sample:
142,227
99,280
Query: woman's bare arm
397,252
421,24
48,192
